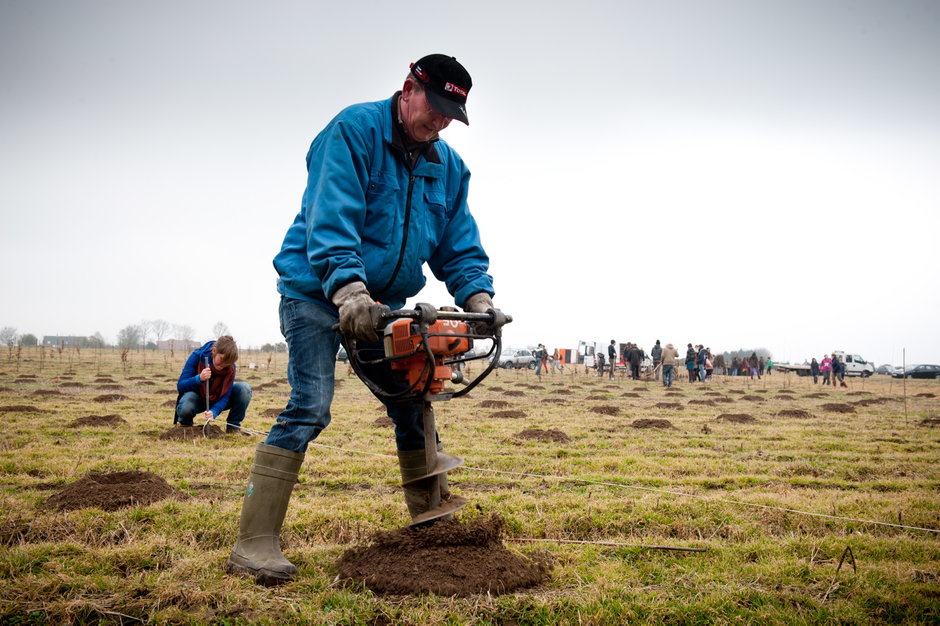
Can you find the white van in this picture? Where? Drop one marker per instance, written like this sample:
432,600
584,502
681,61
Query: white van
855,365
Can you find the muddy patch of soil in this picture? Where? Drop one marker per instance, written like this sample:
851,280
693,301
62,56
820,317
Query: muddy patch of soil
71,384
712,393
930,421
783,398
869,401
47,392
785,391
271,412
596,397
25,378
554,400
735,391
752,398
493,404
736,418
640,389
449,559
858,393
837,407
816,395
98,420
605,410
112,491
724,399
561,392
104,379
668,405
20,408
543,435
514,393
925,395
703,402
798,413
511,414
674,394
109,387
629,394
494,388
110,397
651,423
188,433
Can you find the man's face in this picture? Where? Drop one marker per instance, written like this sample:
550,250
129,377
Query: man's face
421,122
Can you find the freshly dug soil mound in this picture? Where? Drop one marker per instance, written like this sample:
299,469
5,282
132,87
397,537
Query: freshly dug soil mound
496,388
737,418
752,398
783,398
47,392
816,395
837,407
554,400
188,433
562,392
639,389
735,391
712,393
514,393
169,403
543,435
858,393
651,423
605,410
26,377
71,384
167,391
113,491
925,395
703,402
629,394
791,391
493,404
667,405
674,394
799,413
20,408
448,558
109,387
869,401
98,420
110,397
930,421
271,412
724,399
598,398
509,414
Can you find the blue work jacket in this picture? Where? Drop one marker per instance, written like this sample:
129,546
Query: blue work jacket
365,215
189,377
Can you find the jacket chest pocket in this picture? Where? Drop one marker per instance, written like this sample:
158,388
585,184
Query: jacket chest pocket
435,221
382,202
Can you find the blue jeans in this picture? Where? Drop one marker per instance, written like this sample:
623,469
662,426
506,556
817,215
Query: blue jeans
312,345
701,372
668,371
191,403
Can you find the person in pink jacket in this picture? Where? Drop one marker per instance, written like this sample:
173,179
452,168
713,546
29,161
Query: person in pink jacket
825,368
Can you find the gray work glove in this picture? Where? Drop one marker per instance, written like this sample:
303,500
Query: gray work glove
354,301
482,303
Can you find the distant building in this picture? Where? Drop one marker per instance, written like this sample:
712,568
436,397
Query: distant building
65,341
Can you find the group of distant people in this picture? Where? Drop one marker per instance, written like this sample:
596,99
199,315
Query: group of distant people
831,369
750,366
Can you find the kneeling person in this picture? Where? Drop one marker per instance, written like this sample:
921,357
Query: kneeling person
214,362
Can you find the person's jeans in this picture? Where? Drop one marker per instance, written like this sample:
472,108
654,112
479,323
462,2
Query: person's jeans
191,403
312,345
656,369
667,375
701,372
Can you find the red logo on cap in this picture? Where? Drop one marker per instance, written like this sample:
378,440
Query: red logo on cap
457,89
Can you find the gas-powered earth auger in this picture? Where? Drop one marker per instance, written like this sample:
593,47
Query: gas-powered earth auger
425,348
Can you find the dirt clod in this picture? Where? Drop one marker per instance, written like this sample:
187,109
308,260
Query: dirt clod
736,418
98,420
507,414
448,558
605,410
271,412
930,421
112,491
20,408
925,395
110,397
667,405
493,404
543,435
703,402
798,413
651,423
837,407
514,393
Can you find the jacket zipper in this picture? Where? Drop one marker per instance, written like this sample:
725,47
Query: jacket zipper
404,239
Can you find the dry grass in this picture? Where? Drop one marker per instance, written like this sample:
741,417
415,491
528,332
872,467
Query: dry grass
163,562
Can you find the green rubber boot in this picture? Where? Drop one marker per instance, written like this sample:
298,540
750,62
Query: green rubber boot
257,552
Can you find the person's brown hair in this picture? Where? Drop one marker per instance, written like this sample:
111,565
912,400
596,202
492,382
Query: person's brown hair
225,346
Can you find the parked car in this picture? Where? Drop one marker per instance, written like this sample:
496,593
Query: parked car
885,369
855,365
918,371
519,359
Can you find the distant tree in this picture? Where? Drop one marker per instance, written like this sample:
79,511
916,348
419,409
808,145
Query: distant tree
8,336
219,329
29,339
160,329
184,332
280,347
97,341
129,337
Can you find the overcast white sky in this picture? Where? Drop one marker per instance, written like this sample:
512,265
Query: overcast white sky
735,173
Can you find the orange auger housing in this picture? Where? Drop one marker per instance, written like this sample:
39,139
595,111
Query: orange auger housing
406,348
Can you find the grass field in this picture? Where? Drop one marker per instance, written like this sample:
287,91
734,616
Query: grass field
591,477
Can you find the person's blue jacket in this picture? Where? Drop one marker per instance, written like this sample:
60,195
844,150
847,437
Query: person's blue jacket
189,377
365,216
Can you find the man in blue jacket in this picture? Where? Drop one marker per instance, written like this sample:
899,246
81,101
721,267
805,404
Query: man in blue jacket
384,196
211,369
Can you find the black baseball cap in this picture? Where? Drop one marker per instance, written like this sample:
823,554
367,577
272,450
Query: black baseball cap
446,84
